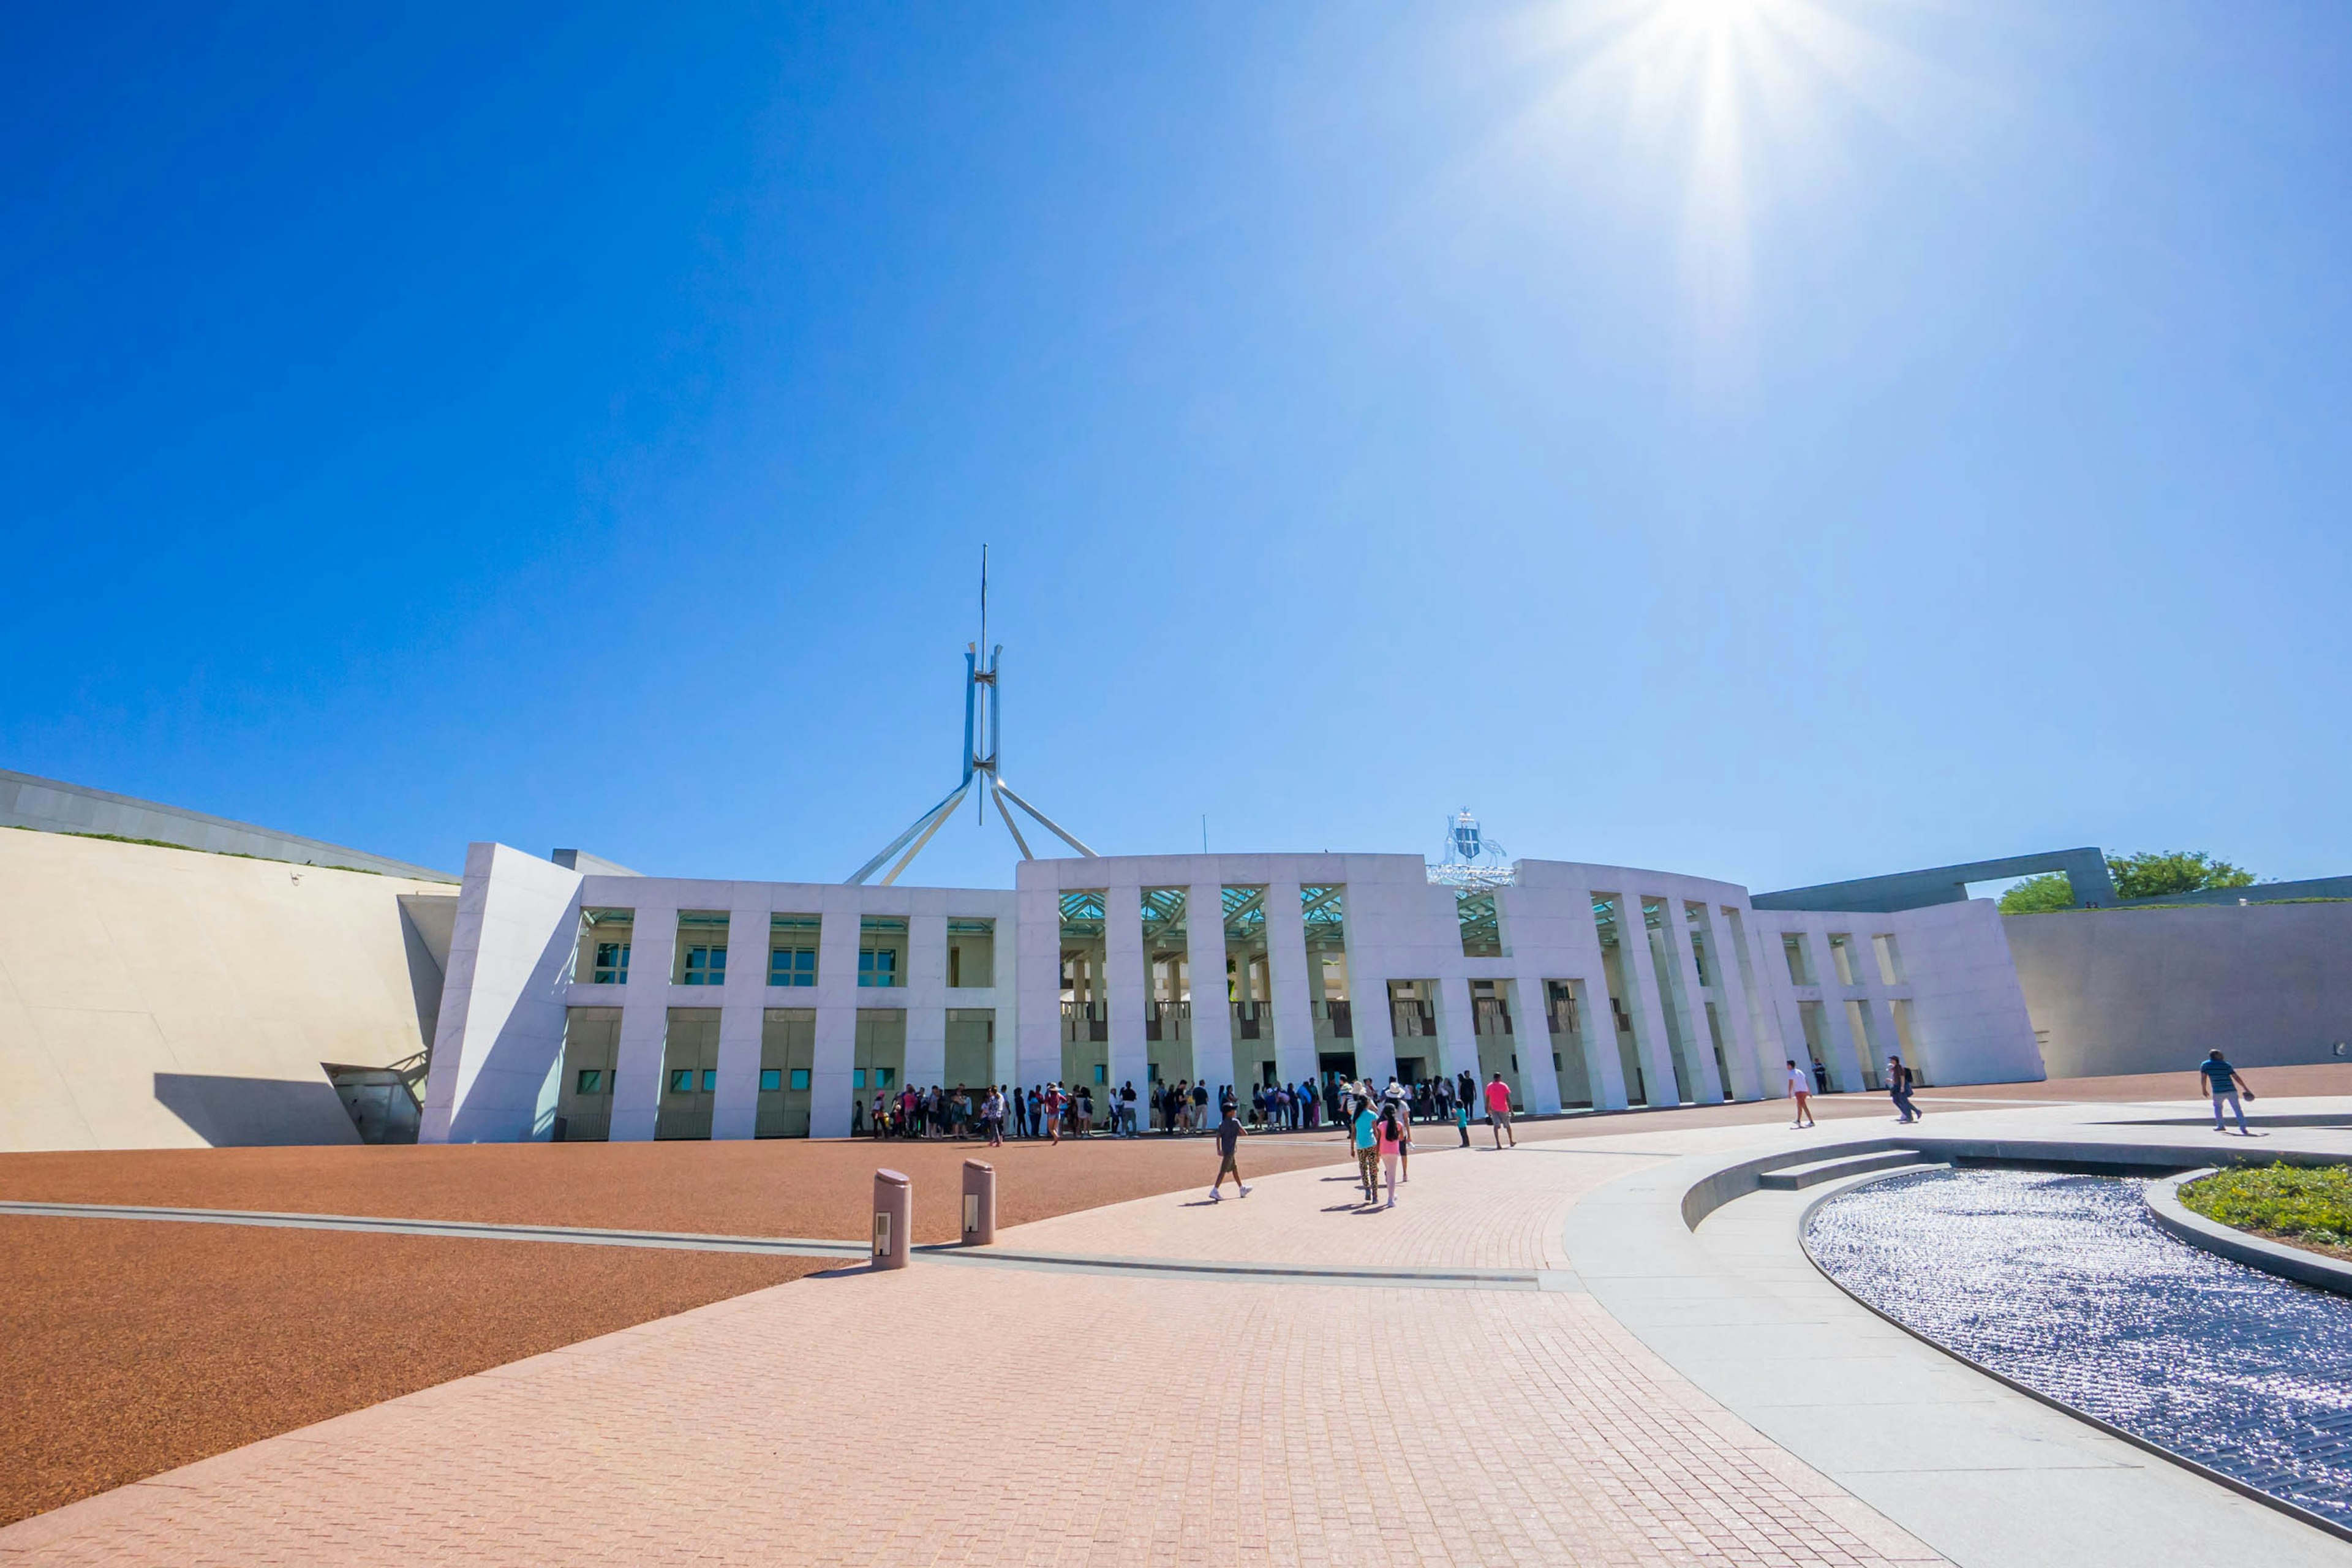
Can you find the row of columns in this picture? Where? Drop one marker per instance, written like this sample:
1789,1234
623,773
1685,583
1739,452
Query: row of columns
743,1001
1294,1048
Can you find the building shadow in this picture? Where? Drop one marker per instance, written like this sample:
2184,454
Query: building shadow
231,1111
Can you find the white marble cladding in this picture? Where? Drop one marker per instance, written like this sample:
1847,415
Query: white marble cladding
1965,1014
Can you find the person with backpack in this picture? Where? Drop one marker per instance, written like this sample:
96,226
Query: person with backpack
1364,1132
1396,1135
1899,1089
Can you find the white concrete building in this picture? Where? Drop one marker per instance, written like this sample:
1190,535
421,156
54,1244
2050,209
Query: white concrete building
584,1004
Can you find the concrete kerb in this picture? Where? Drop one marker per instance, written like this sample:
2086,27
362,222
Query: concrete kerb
2298,1264
1398,1277
1804,1221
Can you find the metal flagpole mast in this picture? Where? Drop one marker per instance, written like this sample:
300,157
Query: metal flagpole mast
982,725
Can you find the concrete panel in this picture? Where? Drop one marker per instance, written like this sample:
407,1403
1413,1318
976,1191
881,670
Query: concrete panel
158,998
2152,990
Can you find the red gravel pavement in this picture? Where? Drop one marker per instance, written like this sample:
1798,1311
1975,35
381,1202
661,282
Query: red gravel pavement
137,1346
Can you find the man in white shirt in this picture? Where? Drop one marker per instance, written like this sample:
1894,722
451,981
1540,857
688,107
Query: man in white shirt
1801,1084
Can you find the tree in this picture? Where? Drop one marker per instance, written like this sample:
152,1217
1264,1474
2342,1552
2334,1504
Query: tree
2039,895
2151,874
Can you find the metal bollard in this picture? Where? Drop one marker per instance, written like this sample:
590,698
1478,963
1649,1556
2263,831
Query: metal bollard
978,1202
893,1218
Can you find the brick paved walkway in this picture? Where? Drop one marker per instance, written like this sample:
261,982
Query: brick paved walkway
961,1415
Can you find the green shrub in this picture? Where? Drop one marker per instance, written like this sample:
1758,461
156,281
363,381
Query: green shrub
2303,1202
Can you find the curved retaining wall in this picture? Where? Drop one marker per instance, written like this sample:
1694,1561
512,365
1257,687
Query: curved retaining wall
2299,1264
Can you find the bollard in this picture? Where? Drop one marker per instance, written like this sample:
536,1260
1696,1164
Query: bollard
893,1218
978,1202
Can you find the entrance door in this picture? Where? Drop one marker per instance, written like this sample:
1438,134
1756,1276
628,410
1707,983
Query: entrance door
584,1102
689,1073
881,1059
787,1054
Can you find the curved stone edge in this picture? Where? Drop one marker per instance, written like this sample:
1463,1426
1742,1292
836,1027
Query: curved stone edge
2244,1490
2184,1223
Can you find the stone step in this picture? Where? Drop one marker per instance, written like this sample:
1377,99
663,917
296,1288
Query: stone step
1797,1178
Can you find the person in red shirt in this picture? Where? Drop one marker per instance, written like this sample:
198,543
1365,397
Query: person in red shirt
1054,1101
1498,1111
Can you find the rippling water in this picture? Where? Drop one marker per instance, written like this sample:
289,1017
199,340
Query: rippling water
2063,1283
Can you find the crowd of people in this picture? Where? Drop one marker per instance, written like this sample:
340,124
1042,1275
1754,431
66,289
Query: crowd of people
1054,1112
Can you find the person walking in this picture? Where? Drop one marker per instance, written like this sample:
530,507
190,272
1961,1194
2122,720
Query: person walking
1899,1089
2222,1082
1392,1141
1800,1087
1364,1129
1402,1106
1052,1112
1127,1109
1498,1111
1229,1137
1461,1120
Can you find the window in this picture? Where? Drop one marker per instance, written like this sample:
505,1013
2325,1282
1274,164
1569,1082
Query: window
706,966
856,1078
590,1081
792,966
1102,1073
682,1081
1890,958
1800,970
800,1077
710,1080
885,1077
771,1079
611,966
881,943
1482,931
1842,958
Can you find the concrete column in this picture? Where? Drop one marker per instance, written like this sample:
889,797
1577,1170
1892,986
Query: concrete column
1844,1063
735,1108
927,1020
835,1046
1457,1030
1294,1013
1780,1001
1128,990
1212,1021
1731,1007
1531,1031
1645,1006
1375,1039
1038,978
1689,998
1595,1017
645,1025
1878,1019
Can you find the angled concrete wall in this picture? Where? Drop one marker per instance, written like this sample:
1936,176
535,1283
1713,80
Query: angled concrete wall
51,806
161,998
2152,990
500,1035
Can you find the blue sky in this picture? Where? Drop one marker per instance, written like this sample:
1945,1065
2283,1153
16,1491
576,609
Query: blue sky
1772,439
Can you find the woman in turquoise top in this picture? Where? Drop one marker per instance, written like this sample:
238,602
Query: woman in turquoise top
1367,1149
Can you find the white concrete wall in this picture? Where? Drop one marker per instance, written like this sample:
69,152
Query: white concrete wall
501,1029
1397,926
2152,990
162,998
